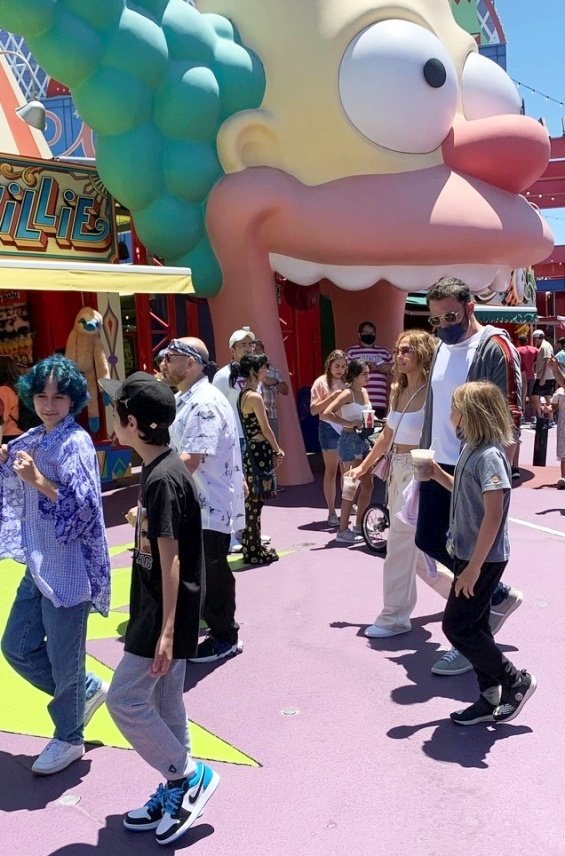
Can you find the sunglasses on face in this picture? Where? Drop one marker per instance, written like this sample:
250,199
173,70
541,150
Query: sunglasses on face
449,318
403,351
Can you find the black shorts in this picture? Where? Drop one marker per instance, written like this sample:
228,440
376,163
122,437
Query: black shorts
546,388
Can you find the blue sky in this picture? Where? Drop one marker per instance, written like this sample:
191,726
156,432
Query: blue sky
535,56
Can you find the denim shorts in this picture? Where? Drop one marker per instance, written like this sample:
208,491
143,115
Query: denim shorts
351,446
327,436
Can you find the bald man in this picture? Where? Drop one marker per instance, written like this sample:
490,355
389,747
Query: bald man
205,435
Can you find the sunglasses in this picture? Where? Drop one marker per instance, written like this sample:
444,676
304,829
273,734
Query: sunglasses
404,351
449,318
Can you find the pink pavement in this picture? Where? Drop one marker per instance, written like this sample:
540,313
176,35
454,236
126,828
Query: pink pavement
353,736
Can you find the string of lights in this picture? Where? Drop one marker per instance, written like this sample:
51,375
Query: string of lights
519,84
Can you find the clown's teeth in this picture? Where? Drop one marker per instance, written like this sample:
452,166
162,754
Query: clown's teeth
405,277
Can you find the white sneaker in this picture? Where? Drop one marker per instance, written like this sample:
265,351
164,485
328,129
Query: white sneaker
452,663
92,704
348,537
265,539
376,632
57,755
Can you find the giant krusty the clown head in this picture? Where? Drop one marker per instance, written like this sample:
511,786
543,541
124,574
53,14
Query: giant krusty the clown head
363,143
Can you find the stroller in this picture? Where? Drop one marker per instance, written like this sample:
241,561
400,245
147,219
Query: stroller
376,520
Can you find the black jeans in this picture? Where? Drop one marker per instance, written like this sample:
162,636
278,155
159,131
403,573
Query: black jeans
466,625
433,525
219,600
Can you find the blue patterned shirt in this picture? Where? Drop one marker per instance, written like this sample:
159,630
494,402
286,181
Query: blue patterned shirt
63,543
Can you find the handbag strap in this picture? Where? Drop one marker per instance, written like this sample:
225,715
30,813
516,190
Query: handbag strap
412,397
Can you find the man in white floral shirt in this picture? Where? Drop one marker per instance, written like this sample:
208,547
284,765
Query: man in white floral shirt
205,435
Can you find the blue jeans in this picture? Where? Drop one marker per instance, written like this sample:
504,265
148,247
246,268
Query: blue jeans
46,645
351,447
433,525
328,437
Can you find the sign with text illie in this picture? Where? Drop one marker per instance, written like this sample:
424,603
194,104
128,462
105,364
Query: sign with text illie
55,211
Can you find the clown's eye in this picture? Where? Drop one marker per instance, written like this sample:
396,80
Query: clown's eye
398,86
487,90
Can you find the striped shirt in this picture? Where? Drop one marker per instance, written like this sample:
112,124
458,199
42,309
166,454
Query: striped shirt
377,387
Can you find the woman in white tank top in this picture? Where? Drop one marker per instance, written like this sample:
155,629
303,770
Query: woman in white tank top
412,360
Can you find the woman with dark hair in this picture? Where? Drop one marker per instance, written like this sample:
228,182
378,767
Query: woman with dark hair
51,521
346,410
9,401
261,455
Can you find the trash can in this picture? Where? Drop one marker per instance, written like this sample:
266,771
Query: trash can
540,441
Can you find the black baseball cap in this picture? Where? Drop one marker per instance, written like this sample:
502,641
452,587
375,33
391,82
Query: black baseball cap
144,397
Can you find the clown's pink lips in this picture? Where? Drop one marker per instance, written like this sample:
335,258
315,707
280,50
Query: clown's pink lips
407,228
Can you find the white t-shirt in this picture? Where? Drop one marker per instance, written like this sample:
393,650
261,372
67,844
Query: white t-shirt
204,425
222,382
451,368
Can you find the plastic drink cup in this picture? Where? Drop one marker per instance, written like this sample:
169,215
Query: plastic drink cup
368,415
349,488
422,461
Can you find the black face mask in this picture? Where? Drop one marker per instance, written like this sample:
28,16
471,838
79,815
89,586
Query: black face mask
455,333
368,338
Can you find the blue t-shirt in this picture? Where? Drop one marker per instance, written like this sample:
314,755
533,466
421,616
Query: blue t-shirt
478,470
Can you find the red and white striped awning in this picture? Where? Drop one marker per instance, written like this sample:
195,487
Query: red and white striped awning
17,138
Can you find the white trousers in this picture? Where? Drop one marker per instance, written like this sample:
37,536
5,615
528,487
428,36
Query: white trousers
399,570
403,560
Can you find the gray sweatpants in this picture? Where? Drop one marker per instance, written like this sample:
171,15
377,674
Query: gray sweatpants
150,713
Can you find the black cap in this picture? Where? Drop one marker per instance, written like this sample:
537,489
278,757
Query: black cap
144,397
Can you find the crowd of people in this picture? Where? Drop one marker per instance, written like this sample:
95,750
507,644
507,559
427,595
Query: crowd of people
210,452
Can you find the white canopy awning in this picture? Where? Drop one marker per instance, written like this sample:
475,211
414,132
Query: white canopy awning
38,275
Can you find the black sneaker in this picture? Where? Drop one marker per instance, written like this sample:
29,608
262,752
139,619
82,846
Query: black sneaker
480,711
212,649
513,700
149,816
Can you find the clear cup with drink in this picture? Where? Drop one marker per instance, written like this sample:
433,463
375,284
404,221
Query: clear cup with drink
422,463
349,489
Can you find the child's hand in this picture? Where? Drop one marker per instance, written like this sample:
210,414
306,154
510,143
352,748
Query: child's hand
25,468
3,453
465,582
131,516
163,656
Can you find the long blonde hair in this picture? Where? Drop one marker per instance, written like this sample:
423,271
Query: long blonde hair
333,358
485,417
423,344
